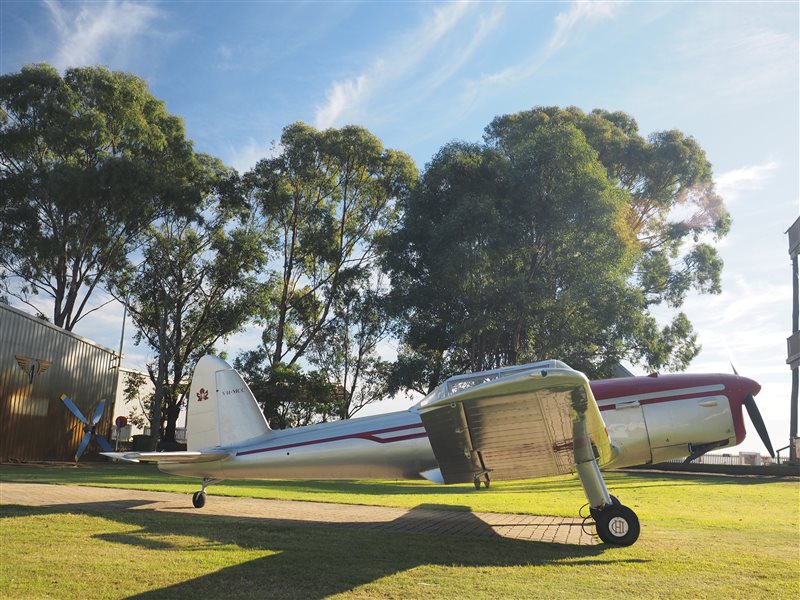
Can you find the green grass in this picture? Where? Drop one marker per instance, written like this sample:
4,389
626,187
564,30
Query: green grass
713,537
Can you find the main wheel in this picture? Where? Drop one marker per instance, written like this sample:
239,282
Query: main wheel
617,525
199,499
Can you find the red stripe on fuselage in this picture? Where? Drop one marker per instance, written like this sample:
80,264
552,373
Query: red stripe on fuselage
364,435
664,399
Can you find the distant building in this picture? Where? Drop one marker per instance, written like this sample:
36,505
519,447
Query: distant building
127,409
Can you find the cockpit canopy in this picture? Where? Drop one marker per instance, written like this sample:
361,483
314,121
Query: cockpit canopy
459,383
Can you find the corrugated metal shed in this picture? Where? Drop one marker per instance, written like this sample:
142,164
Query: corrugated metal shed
38,363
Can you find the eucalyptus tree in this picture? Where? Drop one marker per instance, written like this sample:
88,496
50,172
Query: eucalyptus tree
326,199
88,161
554,238
347,349
673,209
197,283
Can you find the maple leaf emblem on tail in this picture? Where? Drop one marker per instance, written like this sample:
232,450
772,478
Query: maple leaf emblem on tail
202,395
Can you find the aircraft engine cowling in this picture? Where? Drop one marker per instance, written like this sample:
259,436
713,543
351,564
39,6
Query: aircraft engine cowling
670,417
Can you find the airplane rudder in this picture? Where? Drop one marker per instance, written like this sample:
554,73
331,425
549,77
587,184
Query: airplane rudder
202,419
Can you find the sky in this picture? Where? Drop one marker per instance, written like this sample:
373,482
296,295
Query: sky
421,74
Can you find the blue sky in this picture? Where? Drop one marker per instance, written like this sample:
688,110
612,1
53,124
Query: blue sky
419,74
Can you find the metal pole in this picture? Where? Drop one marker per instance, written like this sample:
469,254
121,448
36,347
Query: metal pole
795,328
119,365
125,316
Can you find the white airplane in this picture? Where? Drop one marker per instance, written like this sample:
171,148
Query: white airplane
533,420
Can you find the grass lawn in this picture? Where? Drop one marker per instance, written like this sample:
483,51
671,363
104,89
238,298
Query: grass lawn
714,537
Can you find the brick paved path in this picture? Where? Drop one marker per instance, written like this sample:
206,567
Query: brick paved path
416,520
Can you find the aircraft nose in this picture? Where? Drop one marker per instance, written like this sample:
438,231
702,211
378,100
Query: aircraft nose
746,389
750,386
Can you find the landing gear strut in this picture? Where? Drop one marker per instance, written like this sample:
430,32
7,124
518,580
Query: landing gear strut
484,477
199,498
615,523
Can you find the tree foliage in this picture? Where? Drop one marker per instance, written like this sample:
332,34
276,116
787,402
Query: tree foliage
554,238
672,204
346,351
196,284
325,200
141,402
87,162
288,396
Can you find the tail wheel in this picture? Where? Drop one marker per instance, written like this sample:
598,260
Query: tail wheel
199,499
617,525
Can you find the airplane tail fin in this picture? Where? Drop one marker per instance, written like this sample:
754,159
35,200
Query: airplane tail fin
222,410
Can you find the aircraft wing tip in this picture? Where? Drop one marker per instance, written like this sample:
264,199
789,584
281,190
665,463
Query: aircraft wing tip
124,456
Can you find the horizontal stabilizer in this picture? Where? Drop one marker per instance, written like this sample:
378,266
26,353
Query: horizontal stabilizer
170,457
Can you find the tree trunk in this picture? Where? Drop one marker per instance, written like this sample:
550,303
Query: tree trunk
158,396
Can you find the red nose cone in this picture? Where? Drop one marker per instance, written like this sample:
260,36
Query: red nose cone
740,387
737,388
755,387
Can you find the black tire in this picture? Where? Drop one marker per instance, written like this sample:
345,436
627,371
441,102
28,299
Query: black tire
199,499
617,525
477,483
486,482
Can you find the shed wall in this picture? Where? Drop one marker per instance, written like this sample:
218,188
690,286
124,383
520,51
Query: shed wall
38,363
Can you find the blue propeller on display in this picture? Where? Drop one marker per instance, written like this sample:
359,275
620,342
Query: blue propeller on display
88,427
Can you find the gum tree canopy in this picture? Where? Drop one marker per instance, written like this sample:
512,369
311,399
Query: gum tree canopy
554,238
87,162
326,199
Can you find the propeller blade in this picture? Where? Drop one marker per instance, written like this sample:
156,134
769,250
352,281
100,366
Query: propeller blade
98,412
735,372
73,409
755,416
84,443
103,443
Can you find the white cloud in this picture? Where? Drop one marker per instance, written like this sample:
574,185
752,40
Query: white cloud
343,98
740,66
578,12
731,184
244,157
565,23
90,33
346,100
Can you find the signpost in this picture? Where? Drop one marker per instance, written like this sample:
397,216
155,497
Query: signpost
793,342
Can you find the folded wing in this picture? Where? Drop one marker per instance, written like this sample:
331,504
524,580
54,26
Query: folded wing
525,425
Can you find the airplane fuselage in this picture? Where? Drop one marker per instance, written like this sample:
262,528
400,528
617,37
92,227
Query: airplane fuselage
649,420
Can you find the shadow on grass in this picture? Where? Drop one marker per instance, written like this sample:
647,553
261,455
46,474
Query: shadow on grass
316,562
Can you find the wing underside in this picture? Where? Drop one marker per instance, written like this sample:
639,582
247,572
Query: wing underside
518,427
169,457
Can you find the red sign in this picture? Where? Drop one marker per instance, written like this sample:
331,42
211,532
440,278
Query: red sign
121,422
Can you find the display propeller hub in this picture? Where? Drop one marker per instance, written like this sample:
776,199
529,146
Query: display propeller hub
89,428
